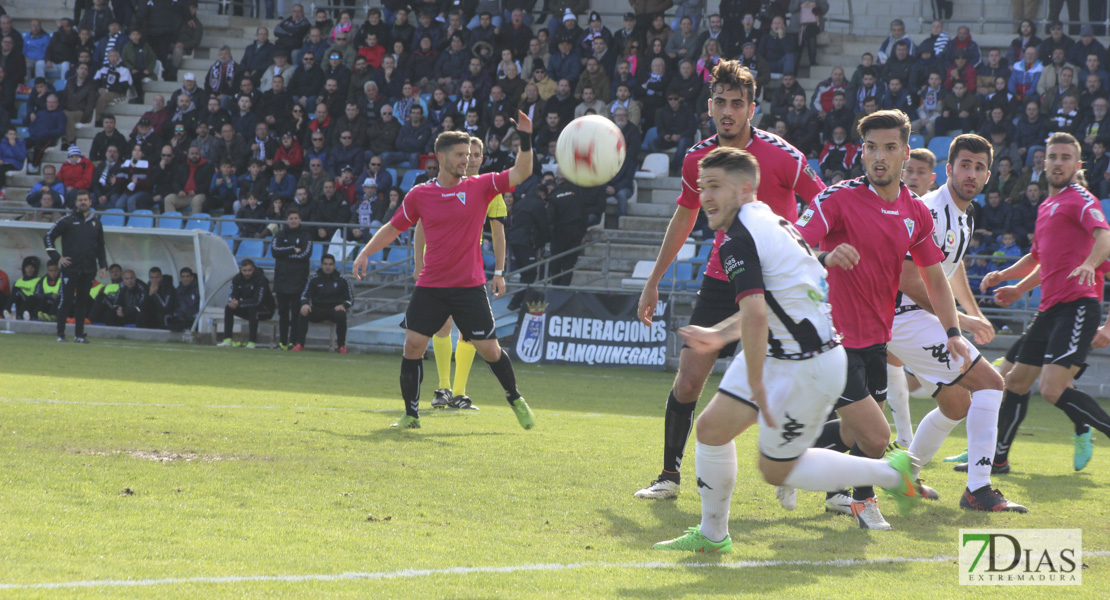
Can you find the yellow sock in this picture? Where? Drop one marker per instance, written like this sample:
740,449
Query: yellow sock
442,348
464,357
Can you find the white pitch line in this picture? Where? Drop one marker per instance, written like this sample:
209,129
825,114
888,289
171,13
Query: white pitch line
414,573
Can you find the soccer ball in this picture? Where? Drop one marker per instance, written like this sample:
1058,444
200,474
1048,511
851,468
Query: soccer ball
590,151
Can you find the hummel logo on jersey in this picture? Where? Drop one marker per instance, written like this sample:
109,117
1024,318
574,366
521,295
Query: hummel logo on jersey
479,332
909,226
888,212
983,462
940,353
701,484
791,430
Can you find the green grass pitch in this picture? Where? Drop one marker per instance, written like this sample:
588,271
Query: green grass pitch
140,461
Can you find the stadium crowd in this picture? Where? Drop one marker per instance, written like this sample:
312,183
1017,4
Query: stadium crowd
323,113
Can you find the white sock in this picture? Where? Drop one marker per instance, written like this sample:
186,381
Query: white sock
898,397
715,467
931,433
820,470
982,434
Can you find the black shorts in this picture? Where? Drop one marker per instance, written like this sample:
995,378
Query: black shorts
716,302
1061,335
430,307
866,375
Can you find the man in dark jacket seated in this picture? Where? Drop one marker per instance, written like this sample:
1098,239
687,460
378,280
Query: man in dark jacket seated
327,297
250,299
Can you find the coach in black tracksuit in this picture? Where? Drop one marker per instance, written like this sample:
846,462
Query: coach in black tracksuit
82,238
527,236
327,297
292,250
568,214
250,299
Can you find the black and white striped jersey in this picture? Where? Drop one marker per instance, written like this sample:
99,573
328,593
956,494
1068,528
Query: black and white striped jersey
951,231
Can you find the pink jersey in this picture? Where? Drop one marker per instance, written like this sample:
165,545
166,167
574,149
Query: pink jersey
783,172
863,299
453,219
1062,240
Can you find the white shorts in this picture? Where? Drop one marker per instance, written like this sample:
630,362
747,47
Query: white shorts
920,341
800,394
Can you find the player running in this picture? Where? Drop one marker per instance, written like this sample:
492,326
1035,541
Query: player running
1070,243
881,218
792,366
785,175
452,284
454,395
918,338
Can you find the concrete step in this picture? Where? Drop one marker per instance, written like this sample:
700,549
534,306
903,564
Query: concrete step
634,251
660,183
668,197
624,235
644,225
648,209
593,278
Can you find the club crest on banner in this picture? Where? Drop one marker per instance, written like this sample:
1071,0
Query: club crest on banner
529,344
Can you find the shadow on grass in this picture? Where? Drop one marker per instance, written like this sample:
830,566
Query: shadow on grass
408,436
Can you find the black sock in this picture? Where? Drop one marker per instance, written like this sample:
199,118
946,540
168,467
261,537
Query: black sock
830,437
864,492
1010,415
502,369
1082,428
412,373
676,431
1082,408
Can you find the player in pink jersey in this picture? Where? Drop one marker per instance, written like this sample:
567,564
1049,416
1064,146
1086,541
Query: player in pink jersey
883,221
1070,242
784,175
452,209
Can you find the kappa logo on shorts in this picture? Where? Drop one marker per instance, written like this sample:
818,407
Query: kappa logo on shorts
940,353
791,430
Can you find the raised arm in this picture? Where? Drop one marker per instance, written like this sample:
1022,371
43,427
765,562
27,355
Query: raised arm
522,168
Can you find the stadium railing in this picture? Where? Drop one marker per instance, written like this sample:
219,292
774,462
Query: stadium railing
924,16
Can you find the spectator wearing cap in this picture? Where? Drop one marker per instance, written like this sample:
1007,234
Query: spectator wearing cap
279,68
777,48
189,36
346,186
77,171
184,118
157,115
962,71
897,33
566,62
258,56
189,86
628,33
345,153
1086,44
144,135
78,101
1056,38
565,23
595,28
545,86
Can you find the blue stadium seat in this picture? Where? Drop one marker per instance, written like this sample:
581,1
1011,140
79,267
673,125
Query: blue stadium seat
393,173
409,179
916,141
24,132
252,249
60,85
112,217
939,146
815,164
941,172
170,220
228,228
199,221
981,199
1105,206
141,218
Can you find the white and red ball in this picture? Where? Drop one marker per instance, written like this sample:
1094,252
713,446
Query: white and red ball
590,151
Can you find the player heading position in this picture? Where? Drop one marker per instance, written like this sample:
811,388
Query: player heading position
785,175
1070,243
919,340
883,221
452,208
792,368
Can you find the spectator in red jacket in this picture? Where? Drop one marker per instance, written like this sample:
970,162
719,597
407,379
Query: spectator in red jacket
76,172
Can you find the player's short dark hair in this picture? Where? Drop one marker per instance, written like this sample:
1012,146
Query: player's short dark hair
451,138
80,193
733,161
115,266
186,271
1061,137
246,262
155,270
975,144
885,119
925,155
731,74
293,210
326,257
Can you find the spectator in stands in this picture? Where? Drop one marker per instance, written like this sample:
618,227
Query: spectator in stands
1056,39
313,180
1098,170
674,127
653,89
21,303
329,208
318,149
251,210
327,297
95,19
962,71
1093,66
113,41
190,88
134,182
802,126
1067,116
414,139
223,78
1050,74
991,70
258,56
291,249
280,67
104,195
345,184
932,106
1035,173
49,182
184,118
77,171
897,33
589,103
144,134
13,155
778,49
78,101
993,219
290,32
959,111
61,52
708,59
869,106
189,36
1031,131
621,186
898,97
224,189
232,146
682,43
567,212
114,83
205,142
1026,74
191,181
962,43
138,57
431,171
47,127
35,43
838,155
250,299
345,153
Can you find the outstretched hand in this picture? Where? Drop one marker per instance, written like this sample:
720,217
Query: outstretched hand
522,123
